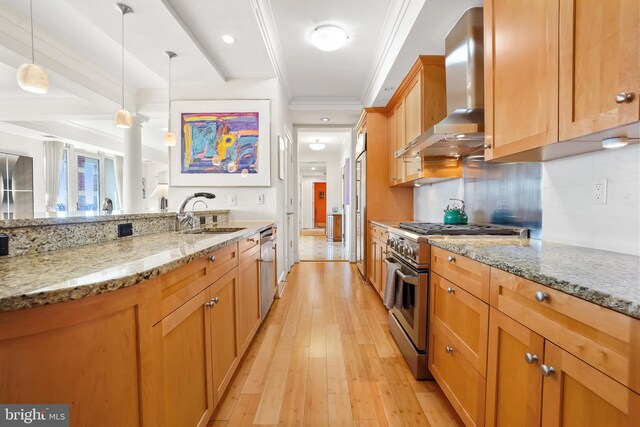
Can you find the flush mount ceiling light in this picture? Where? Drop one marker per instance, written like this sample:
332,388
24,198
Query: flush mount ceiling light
32,77
313,168
228,38
122,118
317,146
169,138
328,37
325,119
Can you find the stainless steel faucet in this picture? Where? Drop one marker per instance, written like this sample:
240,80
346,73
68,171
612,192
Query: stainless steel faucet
187,219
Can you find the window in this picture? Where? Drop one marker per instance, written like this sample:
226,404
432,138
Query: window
110,187
88,183
62,202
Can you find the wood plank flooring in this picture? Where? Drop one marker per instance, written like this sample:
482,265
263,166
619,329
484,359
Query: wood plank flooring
324,356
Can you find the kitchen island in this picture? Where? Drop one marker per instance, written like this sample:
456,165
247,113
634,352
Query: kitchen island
116,329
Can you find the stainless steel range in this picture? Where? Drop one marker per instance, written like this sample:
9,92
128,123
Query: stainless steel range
411,252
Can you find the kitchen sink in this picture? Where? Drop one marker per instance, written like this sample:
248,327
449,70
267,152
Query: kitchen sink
213,230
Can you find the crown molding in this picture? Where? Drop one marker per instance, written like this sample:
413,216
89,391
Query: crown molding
266,24
394,34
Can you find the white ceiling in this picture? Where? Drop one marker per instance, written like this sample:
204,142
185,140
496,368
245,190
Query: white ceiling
334,139
307,168
79,44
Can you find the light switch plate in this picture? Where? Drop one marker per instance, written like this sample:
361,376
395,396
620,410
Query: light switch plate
261,199
233,200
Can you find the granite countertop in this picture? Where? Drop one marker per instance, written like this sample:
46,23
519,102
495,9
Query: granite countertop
56,218
387,224
70,274
609,279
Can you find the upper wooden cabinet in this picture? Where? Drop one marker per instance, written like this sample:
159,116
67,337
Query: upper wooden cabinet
553,70
418,104
599,60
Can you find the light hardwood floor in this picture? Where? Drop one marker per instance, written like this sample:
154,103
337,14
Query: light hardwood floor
324,356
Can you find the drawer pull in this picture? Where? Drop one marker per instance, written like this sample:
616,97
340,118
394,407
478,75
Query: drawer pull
623,97
448,349
212,258
251,240
546,370
450,290
542,296
530,358
213,302
451,258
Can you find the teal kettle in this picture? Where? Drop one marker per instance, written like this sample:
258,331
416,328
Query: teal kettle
454,214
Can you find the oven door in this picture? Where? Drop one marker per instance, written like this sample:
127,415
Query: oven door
412,312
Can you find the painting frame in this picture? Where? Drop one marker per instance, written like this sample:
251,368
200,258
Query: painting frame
262,176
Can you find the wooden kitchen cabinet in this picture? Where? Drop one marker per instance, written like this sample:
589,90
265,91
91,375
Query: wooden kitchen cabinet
377,274
599,59
553,69
225,348
514,381
395,173
249,296
187,365
401,138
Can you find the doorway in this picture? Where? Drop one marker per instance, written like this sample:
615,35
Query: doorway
320,205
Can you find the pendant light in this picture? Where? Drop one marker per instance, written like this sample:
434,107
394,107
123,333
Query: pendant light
317,146
32,77
169,138
122,118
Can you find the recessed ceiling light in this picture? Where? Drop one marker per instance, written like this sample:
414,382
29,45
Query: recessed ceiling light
325,119
228,38
328,37
313,168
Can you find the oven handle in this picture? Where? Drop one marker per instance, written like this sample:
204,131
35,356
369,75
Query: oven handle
407,278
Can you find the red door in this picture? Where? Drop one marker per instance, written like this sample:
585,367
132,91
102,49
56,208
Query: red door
320,203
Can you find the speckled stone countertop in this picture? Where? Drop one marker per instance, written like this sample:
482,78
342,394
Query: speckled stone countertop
609,279
70,274
55,218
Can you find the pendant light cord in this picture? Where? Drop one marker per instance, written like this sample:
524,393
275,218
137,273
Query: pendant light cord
33,55
169,111
123,59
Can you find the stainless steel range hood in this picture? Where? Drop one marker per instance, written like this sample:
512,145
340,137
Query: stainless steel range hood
462,131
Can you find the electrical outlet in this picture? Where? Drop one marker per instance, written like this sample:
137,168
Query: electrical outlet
233,200
261,199
600,192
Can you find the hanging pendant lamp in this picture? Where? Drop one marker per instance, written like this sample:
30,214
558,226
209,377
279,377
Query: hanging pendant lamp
32,77
122,118
169,138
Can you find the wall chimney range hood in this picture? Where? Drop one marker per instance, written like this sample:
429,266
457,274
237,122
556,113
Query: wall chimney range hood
462,131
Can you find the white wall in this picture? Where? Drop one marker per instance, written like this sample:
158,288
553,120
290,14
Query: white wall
429,201
568,214
33,148
274,195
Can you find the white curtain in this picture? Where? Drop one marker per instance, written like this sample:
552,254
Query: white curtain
117,165
53,154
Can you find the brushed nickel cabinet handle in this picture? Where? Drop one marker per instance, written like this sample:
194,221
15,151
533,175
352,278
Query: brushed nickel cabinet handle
624,97
450,290
451,258
542,296
212,258
530,358
487,146
547,370
448,349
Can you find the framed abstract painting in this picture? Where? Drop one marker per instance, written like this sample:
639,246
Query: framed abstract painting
221,143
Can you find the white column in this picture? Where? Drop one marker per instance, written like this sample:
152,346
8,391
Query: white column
132,166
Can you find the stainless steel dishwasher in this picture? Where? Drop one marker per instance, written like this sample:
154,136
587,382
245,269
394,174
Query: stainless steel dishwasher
267,270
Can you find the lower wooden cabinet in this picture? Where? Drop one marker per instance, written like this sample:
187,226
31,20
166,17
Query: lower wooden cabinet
248,297
514,381
377,269
224,331
187,367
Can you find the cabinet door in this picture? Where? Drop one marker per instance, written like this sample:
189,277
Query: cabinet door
414,124
576,394
249,298
372,261
393,143
521,75
401,139
514,382
186,354
383,268
224,331
599,59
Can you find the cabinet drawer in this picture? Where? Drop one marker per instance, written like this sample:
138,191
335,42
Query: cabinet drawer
465,318
460,382
383,236
608,341
374,231
249,243
180,285
468,274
